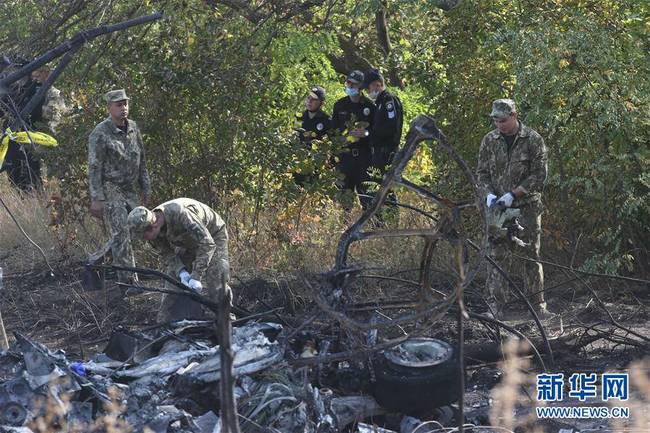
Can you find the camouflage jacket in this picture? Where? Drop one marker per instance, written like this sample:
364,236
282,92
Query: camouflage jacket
191,228
500,171
116,160
48,115
53,108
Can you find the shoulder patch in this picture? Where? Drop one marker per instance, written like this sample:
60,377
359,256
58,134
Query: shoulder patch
366,111
390,106
319,126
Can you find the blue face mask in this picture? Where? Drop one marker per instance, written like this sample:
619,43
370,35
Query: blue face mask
351,91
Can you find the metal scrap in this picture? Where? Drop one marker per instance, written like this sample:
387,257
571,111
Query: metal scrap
171,386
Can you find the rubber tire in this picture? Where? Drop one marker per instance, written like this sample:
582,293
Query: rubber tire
413,390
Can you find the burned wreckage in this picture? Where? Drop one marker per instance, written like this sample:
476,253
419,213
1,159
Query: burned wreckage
273,375
279,375
166,380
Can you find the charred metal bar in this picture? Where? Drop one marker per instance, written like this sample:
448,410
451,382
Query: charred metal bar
425,264
405,206
433,312
425,193
432,232
461,314
229,423
590,274
40,95
422,128
184,290
73,43
521,295
509,328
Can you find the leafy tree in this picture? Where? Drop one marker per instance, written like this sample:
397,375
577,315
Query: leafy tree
215,86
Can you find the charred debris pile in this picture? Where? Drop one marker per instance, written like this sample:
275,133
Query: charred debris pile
167,379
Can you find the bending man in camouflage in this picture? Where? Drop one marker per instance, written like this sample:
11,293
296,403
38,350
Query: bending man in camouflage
193,241
512,169
116,173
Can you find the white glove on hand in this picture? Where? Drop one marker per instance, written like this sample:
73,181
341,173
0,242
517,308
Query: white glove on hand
507,199
195,285
489,200
185,277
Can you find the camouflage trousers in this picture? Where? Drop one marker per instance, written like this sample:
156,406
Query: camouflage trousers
176,307
116,210
532,273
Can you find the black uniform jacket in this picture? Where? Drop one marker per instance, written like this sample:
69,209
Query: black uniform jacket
386,128
345,111
314,128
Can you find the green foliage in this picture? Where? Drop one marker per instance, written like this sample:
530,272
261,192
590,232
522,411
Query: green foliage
580,74
215,91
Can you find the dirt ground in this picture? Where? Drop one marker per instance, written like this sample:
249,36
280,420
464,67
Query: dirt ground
57,312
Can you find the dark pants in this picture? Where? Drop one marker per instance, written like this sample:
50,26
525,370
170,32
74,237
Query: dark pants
353,165
23,167
381,160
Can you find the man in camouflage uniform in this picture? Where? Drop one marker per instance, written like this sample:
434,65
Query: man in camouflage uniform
193,240
512,170
116,171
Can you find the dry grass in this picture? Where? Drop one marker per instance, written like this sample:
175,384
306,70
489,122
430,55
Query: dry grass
508,394
639,402
33,212
290,238
41,215
301,237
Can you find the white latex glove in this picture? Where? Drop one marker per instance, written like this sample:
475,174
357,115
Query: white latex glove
195,285
507,199
489,200
184,276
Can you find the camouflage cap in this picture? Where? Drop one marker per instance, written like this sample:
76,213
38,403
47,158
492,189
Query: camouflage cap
116,95
503,108
140,219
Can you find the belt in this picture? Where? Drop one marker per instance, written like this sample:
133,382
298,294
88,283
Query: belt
356,150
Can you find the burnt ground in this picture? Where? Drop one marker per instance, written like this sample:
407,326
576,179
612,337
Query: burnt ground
57,312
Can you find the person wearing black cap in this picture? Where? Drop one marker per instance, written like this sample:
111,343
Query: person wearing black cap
387,122
352,117
312,124
386,130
